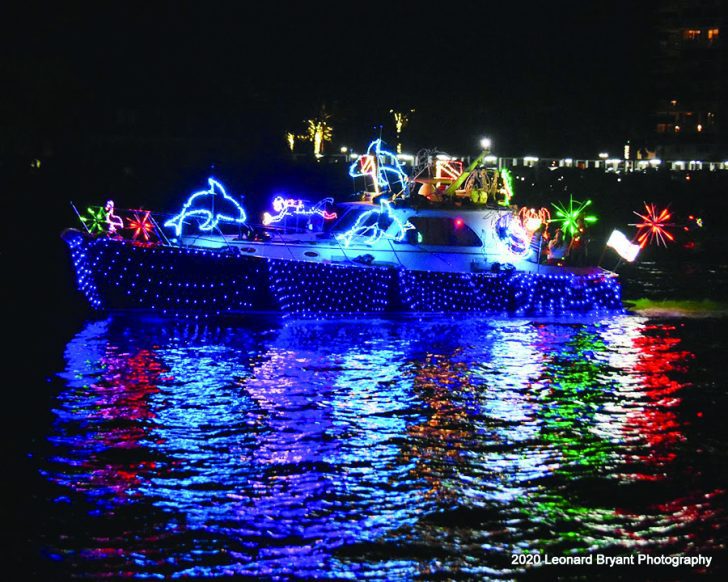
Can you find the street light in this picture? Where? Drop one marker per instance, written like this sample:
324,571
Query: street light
486,143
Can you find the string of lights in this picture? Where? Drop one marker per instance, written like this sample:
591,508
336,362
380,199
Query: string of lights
186,282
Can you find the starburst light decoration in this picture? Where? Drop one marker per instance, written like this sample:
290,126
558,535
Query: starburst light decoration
569,216
654,226
95,220
141,225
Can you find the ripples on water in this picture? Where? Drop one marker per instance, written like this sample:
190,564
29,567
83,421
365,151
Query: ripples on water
381,448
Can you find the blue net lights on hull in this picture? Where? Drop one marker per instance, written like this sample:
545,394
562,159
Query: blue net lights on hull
510,293
185,282
121,274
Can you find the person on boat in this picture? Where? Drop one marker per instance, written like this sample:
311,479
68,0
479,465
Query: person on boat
539,242
578,248
557,249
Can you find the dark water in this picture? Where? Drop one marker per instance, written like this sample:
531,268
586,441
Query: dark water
388,448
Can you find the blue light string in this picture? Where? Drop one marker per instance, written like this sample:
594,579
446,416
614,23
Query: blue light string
207,219
188,282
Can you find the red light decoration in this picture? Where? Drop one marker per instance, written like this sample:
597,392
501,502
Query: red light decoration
532,219
458,222
368,164
141,225
448,169
654,226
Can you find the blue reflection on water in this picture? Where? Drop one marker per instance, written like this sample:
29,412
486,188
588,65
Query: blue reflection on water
392,448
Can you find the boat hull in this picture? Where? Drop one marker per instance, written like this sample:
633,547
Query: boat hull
180,281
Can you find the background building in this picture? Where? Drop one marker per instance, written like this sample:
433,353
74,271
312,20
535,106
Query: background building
690,82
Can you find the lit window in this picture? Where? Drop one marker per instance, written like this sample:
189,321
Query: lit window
713,33
442,232
700,127
691,33
677,129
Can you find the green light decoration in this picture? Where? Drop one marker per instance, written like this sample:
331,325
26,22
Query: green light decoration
95,220
569,217
508,184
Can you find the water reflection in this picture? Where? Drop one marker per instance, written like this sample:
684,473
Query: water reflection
392,448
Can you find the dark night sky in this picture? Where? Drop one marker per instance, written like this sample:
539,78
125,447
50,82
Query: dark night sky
547,78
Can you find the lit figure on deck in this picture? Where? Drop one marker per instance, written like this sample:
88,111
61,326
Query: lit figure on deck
374,224
115,222
287,206
384,168
209,207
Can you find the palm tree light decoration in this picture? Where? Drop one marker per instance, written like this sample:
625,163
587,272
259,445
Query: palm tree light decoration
290,140
319,131
400,122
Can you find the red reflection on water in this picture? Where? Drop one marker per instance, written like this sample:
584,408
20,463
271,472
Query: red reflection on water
121,398
654,418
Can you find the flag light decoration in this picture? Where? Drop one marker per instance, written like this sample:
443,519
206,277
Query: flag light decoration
654,226
625,249
568,217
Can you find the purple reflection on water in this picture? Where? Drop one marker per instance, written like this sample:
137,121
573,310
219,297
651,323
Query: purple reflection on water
389,448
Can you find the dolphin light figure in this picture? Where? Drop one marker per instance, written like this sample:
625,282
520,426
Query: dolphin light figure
209,207
368,228
380,164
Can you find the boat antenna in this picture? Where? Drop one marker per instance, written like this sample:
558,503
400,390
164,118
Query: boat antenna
79,217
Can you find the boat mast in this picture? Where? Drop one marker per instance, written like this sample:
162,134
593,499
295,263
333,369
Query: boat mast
450,190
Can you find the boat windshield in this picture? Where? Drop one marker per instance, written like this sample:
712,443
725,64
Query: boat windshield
352,213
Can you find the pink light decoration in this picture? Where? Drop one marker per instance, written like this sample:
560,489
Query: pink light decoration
115,222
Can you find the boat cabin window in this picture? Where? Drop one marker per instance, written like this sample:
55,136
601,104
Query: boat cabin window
442,231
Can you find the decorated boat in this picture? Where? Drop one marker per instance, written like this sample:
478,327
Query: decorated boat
441,238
